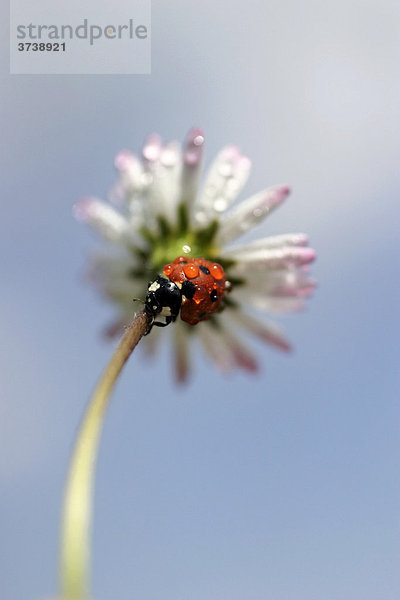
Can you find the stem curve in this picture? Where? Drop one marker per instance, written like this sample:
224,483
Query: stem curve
78,496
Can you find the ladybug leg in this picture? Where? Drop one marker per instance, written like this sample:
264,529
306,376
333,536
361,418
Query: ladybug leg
168,319
158,324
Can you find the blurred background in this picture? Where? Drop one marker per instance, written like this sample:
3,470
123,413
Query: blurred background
282,486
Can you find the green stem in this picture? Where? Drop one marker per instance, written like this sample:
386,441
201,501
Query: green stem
77,508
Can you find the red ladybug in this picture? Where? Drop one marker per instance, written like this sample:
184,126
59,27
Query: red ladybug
195,286
202,284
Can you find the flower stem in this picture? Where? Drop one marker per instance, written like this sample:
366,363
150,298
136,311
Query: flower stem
77,508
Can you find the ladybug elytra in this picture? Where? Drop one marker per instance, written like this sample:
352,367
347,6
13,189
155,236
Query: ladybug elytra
195,287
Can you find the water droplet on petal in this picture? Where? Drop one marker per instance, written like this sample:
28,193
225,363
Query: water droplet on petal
198,140
220,205
201,217
151,152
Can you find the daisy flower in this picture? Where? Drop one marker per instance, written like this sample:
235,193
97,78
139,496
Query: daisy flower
158,211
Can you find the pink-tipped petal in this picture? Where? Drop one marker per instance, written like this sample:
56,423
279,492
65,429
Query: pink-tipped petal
241,354
170,155
302,289
125,161
214,347
227,176
101,217
151,149
191,166
267,243
163,193
266,330
250,212
130,178
193,150
274,305
277,258
273,284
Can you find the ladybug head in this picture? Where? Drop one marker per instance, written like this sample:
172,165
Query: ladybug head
163,298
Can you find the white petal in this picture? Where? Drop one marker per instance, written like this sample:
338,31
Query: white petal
268,303
284,283
225,349
151,150
130,182
242,356
274,283
214,347
192,161
276,258
129,169
250,212
170,155
300,289
266,330
226,178
164,191
276,241
101,217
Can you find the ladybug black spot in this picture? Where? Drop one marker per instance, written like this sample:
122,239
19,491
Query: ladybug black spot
204,269
214,296
202,315
188,289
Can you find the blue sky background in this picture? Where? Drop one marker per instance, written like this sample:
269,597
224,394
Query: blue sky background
283,486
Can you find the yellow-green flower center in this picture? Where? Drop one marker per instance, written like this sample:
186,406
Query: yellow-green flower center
166,242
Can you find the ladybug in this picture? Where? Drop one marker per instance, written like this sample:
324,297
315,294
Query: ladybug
195,287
